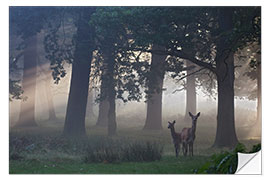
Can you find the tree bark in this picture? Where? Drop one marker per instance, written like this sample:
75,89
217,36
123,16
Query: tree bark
108,90
225,134
90,104
77,100
52,115
258,124
104,106
191,100
27,112
154,99
111,113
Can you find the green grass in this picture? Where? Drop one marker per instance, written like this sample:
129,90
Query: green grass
168,165
45,152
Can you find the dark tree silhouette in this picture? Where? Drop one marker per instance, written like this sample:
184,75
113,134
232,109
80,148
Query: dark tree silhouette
77,100
27,112
191,99
28,22
154,92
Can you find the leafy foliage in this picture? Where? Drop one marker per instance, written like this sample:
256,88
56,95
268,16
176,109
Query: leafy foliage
115,64
59,40
25,22
226,162
15,90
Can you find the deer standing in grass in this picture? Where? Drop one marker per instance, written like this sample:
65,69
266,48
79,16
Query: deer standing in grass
188,136
176,137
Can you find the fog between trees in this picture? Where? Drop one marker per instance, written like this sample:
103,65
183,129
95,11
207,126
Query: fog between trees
131,64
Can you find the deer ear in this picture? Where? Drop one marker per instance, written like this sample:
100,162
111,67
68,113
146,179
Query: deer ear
198,114
174,122
190,114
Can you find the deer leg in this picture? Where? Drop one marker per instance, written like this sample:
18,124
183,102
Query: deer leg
184,149
192,149
189,148
176,149
179,148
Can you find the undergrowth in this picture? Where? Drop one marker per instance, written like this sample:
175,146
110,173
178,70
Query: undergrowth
225,162
117,151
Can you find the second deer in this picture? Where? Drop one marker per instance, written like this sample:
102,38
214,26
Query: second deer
176,137
188,135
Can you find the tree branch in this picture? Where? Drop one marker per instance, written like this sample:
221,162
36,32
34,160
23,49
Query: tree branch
181,55
178,90
190,74
187,57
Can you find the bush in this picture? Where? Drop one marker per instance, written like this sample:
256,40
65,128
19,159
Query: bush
116,151
142,152
226,162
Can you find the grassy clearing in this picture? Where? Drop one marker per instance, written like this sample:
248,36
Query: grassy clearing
42,150
168,165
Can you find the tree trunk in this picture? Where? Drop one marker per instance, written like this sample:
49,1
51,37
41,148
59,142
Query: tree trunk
89,110
258,124
111,114
103,108
191,100
225,134
77,100
52,115
44,67
27,112
154,99
108,90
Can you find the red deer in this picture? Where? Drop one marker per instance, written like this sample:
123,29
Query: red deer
188,136
176,137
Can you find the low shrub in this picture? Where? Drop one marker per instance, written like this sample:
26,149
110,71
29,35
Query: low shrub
116,151
226,162
142,152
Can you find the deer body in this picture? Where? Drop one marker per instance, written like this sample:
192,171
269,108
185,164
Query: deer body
176,138
188,136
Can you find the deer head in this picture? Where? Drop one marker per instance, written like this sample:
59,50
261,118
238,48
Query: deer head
171,124
194,118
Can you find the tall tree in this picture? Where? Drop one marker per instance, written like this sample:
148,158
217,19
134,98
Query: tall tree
28,22
90,105
103,113
116,65
103,105
108,87
259,94
225,134
27,112
45,69
214,34
48,89
191,99
248,84
155,86
77,100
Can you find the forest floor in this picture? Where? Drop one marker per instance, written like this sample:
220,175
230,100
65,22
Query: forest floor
42,150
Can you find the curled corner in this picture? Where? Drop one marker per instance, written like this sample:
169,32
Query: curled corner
249,163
